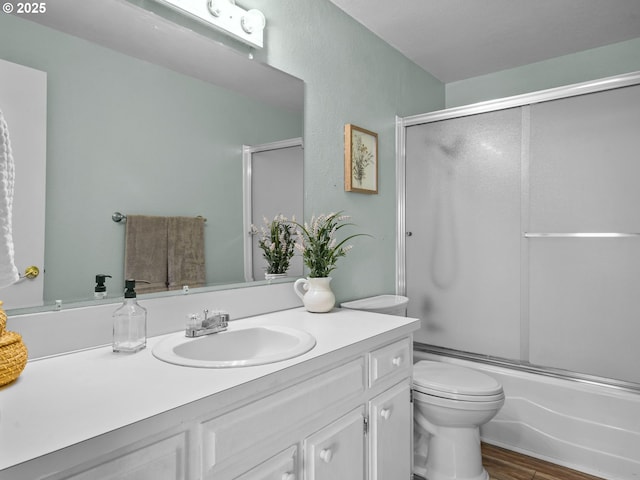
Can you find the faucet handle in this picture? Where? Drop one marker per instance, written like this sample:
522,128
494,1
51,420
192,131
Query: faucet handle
194,320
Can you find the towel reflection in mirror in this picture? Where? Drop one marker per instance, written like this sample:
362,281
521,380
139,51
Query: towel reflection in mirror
8,271
167,252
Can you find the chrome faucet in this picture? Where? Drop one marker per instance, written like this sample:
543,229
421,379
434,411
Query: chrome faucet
209,323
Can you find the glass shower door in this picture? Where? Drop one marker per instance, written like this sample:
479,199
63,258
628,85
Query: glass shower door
584,251
463,232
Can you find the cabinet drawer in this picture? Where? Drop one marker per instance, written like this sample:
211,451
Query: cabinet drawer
386,361
228,435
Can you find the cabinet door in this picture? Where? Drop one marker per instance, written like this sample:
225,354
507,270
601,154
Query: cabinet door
390,419
279,467
337,451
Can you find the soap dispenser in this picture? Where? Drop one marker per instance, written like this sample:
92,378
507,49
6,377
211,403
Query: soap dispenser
101,290
129,323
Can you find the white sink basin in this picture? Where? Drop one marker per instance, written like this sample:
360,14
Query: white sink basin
236,347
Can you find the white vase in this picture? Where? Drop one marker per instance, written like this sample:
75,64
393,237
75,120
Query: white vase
315,293
274,276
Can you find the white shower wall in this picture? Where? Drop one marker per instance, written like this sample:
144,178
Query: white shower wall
523,227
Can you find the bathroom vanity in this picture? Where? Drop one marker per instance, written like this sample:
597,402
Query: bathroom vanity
340,411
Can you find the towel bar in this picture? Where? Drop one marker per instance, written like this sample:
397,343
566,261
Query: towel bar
581,235
119,217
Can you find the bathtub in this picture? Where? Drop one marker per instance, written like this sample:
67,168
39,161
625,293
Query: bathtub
585,426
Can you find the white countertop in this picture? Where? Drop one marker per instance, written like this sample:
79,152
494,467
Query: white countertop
66,399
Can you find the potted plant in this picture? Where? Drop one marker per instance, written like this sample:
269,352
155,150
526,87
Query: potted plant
320,249
277,244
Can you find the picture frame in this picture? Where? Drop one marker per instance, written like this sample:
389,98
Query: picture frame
360,160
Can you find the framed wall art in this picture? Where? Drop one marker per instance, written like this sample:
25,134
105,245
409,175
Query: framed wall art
360,160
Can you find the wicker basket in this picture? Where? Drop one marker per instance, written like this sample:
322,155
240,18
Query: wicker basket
13,353
3,319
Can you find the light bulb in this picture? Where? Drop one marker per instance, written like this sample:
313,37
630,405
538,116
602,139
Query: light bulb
252,21
217,6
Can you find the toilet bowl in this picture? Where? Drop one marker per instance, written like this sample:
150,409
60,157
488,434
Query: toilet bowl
450,404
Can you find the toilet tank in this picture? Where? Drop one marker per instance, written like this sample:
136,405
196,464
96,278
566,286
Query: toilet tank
389,304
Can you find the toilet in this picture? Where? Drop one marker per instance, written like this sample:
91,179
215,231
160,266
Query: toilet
389,304
450,404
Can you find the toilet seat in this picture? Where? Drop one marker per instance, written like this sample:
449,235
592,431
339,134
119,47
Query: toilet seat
455,383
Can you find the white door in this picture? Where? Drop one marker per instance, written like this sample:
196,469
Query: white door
390,417
337,451
463,212
23,101
273,185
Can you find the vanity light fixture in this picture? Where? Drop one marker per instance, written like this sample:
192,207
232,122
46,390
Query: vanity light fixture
226,16
253,21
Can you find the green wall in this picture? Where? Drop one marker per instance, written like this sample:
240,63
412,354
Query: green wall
351,76
615,59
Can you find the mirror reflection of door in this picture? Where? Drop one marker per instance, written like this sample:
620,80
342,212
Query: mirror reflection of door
23,101
273,185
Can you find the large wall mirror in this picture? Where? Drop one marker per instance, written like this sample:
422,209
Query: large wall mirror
145,115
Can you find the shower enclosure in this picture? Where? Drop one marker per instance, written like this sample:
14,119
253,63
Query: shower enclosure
519,230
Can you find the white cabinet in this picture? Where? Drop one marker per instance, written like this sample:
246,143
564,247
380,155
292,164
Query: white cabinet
337,451
277,420
390,419
347,417
328,416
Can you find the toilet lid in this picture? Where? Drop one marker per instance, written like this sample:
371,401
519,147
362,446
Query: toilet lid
452,381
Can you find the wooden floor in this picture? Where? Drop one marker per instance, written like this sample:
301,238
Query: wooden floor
507,465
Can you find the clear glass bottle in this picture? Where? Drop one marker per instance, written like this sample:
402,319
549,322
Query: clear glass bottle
129,323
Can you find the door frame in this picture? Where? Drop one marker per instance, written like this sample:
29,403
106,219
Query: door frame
247,197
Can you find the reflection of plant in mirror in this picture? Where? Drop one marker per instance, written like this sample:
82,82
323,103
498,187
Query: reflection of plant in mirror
318,244
276,242
361,159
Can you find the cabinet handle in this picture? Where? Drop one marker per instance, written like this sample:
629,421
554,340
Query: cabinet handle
288,476
385,413
397,361
326,455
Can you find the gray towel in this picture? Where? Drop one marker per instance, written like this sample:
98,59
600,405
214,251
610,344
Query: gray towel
185,259
166,252
145,253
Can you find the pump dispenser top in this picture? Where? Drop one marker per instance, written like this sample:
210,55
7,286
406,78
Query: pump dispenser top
100,290
129,322
130,289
